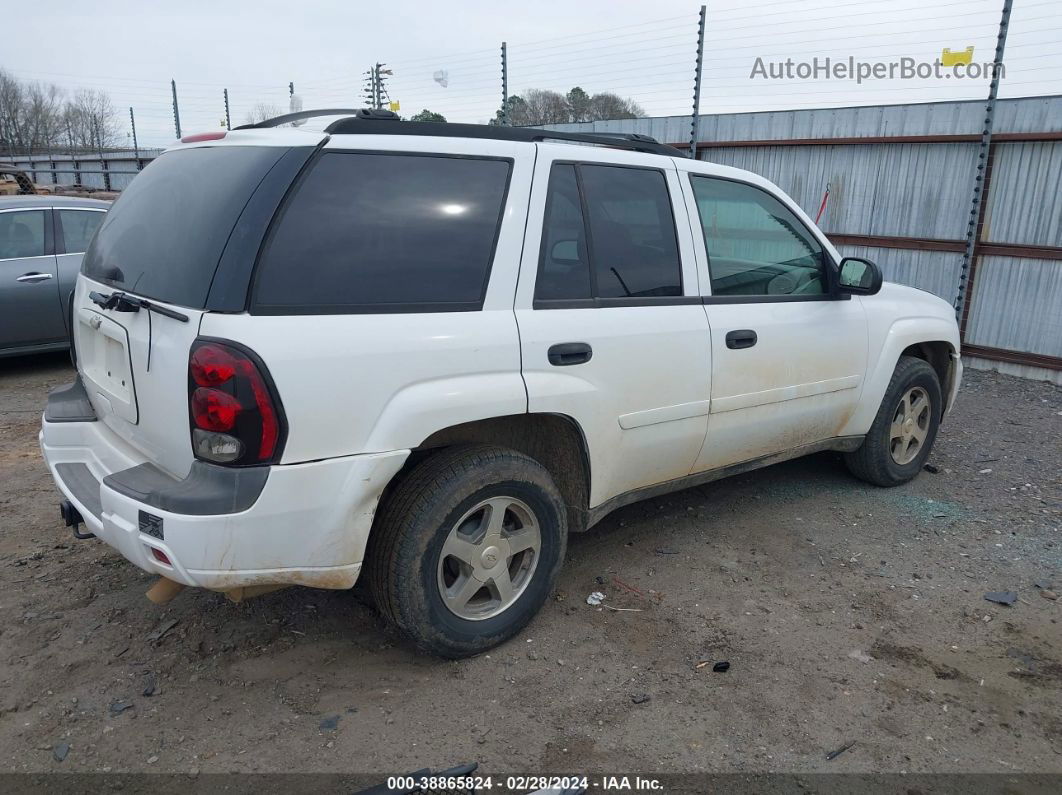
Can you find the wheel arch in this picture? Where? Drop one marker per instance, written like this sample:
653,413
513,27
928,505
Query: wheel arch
554,440
932,339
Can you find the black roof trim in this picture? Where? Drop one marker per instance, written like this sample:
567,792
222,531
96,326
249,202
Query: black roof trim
384,122
378,126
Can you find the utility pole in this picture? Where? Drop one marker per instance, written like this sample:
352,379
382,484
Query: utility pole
505,85
99,151
228,120
176,110
984,173
695,122
375,88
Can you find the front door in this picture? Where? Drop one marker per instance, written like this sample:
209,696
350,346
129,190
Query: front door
30,311
788,352
611,327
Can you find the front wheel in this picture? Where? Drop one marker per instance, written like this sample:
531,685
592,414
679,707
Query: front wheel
899,441
467,548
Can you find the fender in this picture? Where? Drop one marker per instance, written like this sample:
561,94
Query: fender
885,348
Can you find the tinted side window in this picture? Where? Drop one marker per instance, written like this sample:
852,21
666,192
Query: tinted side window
632,232
564,267
369,232
756,245
22,234
78,228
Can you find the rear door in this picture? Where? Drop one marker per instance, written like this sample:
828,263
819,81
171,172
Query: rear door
162,241
612,330
29,294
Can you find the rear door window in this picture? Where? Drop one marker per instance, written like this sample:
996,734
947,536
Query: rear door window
22,234
78,228
608,233
380,232
164,236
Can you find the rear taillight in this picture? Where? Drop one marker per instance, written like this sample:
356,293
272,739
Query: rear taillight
235,414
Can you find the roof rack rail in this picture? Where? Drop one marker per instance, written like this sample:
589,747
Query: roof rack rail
390,126
302,115
385,122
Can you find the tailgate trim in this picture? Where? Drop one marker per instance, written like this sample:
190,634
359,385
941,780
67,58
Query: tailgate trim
208,490
69,403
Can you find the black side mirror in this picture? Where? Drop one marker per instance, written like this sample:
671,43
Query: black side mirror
859,276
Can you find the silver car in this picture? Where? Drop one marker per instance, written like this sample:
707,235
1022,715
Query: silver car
42,240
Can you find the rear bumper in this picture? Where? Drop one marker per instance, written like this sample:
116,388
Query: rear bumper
300,524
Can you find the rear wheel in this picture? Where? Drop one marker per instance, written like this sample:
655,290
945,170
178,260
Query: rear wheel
467,548
899,441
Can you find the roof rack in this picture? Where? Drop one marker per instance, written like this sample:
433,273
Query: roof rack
361,125
302,115
384,122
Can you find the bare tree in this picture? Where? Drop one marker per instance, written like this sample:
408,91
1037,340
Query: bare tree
536,106
90,120
11,116
262,111
43,108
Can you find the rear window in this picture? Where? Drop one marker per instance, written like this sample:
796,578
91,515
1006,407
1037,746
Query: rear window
372,232
164,236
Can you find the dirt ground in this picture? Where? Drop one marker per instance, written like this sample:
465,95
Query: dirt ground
848,614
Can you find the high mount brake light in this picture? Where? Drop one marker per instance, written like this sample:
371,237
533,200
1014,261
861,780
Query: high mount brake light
200,137
235,415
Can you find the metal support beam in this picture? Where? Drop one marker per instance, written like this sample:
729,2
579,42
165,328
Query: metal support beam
228,119
505,85
695,121
136,146
176,110
975,223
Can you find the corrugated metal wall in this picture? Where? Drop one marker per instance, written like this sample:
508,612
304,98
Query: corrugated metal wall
1025,200
909,190
1017,305
918,196
1030,114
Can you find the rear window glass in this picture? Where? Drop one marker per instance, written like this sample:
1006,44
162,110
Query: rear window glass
369,232
164,236
78,228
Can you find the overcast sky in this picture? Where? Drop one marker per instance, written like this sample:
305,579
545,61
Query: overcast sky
640,50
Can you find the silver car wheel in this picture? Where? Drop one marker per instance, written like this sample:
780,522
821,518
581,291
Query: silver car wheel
489,557
910,425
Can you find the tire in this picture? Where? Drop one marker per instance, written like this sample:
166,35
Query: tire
883,460
442,506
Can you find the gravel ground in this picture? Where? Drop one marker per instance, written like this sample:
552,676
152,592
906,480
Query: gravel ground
848,614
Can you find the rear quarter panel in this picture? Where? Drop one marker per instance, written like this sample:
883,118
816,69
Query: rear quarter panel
362,383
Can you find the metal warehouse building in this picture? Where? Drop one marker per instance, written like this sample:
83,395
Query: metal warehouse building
901,183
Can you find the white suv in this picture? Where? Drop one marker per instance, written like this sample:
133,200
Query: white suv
433,350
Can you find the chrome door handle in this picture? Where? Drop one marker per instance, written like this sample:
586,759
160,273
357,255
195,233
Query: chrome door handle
33,278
